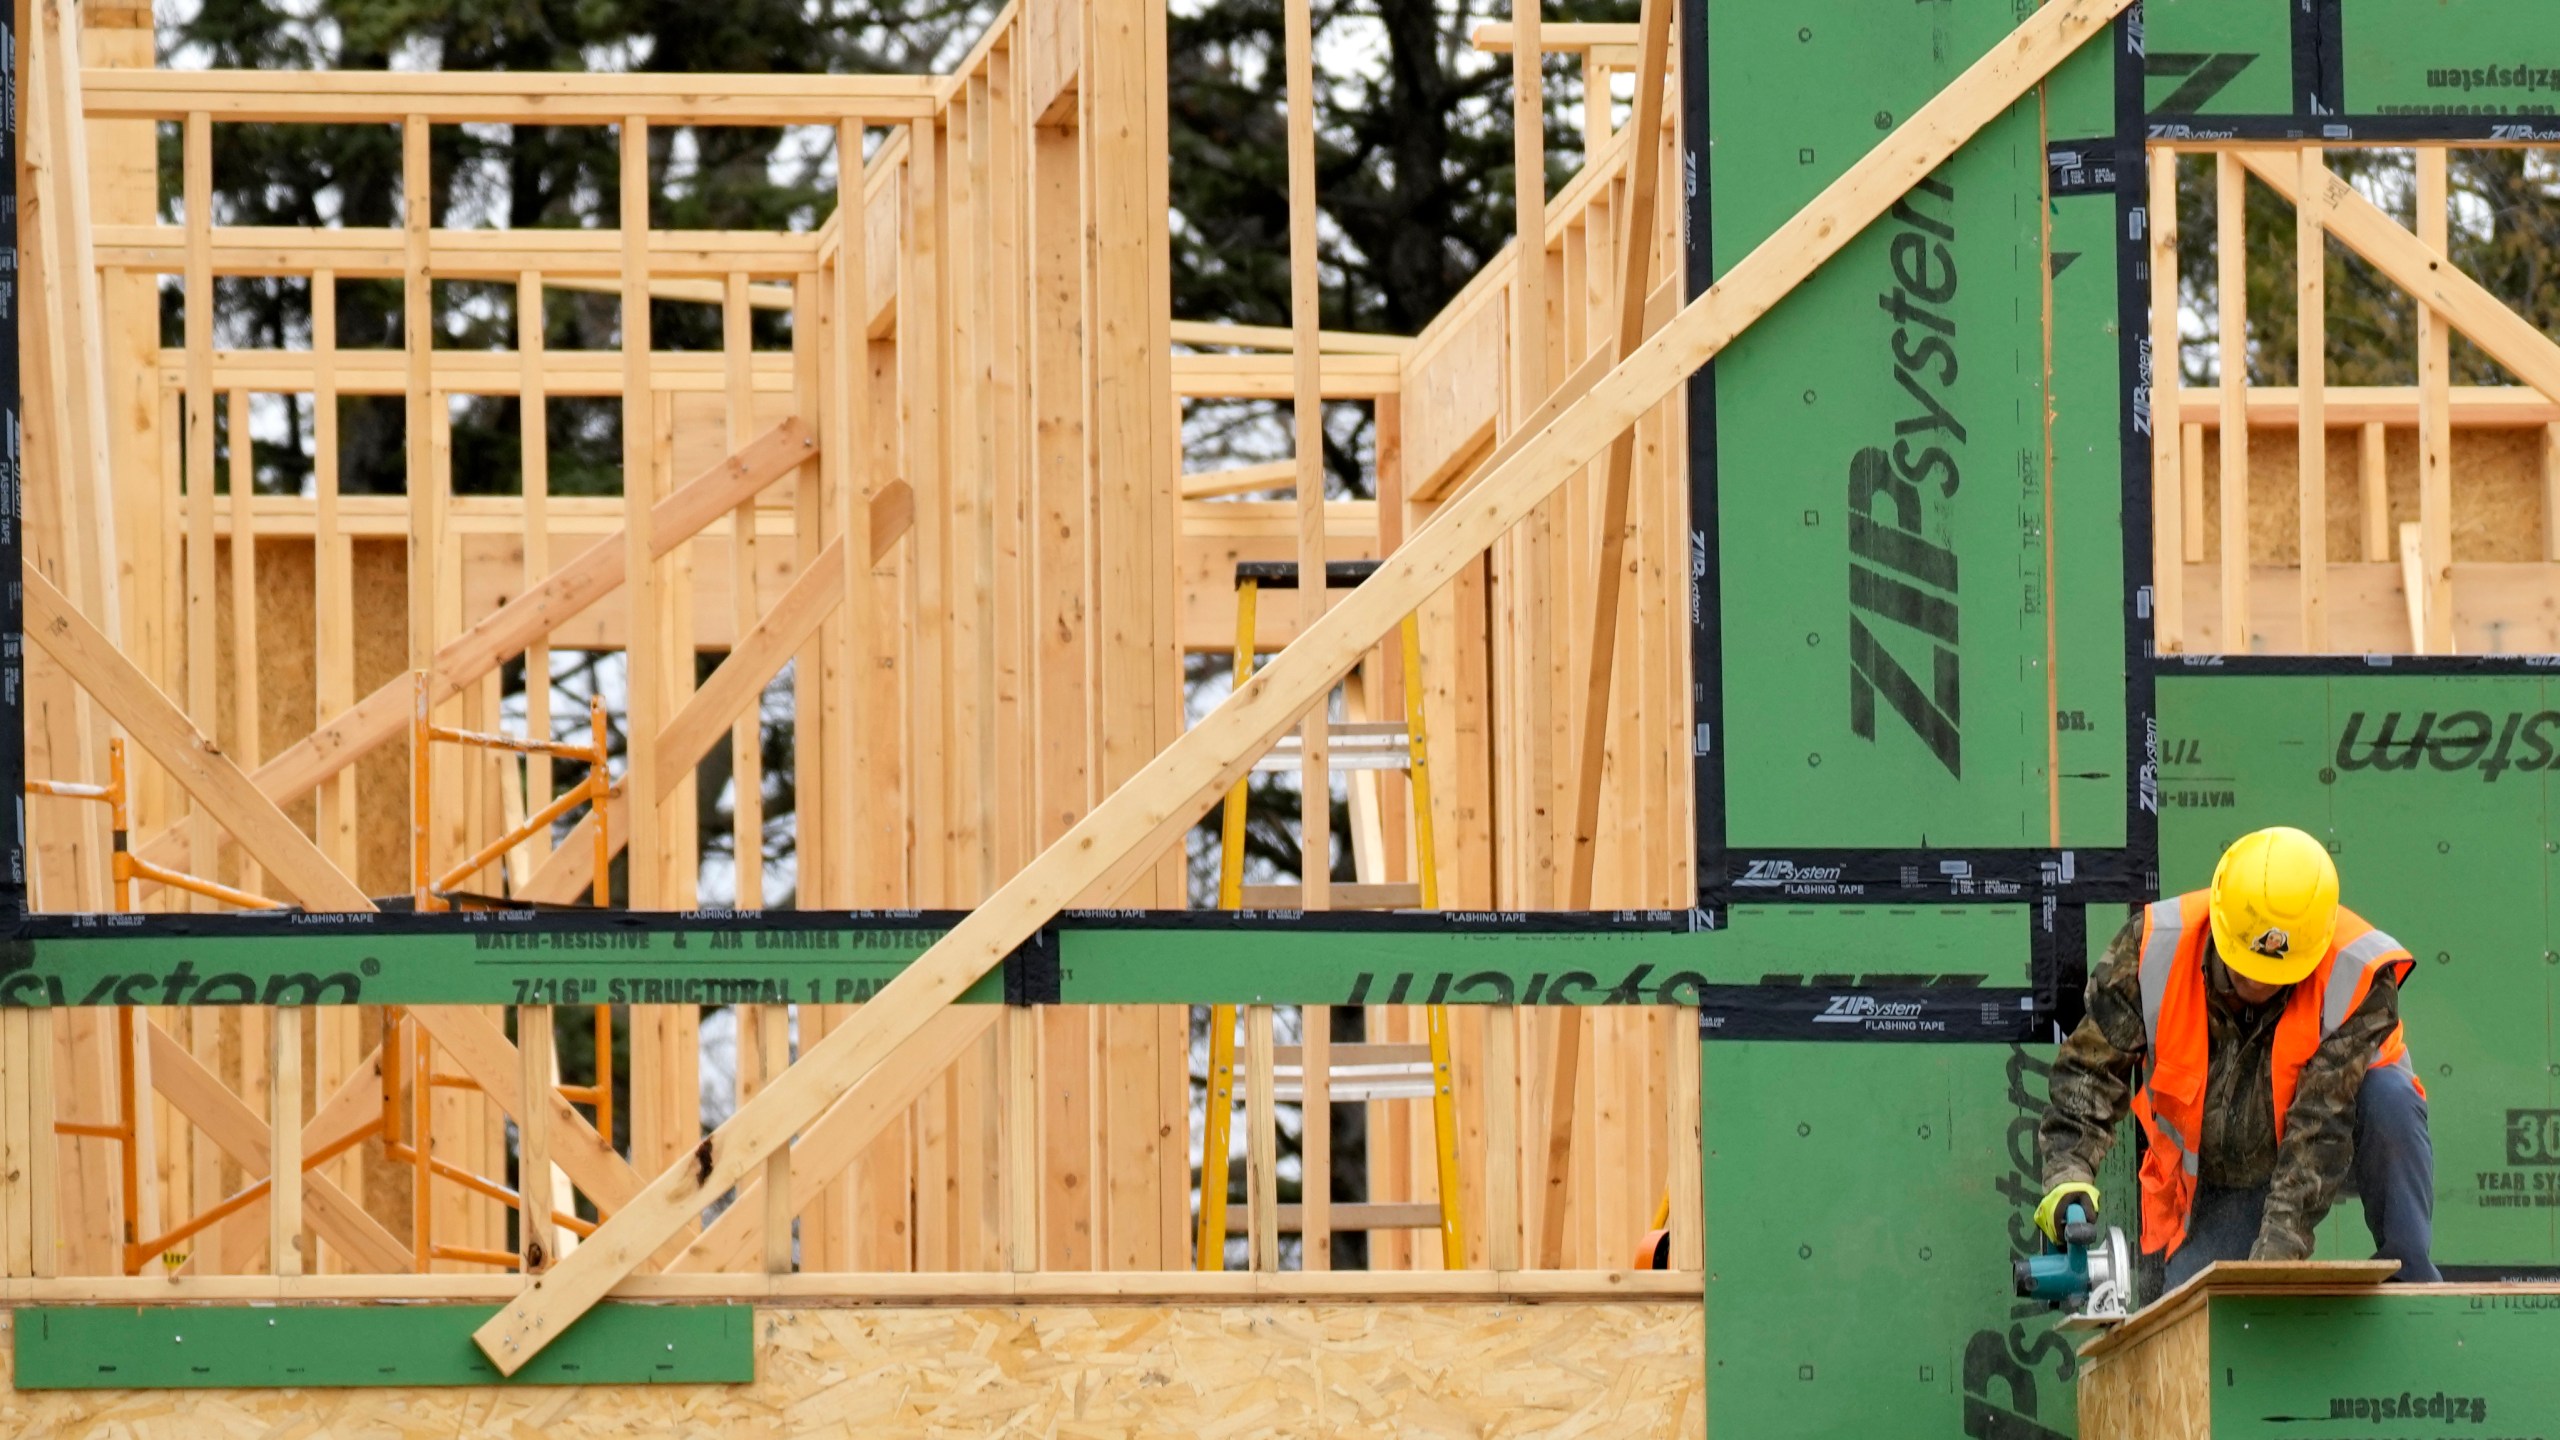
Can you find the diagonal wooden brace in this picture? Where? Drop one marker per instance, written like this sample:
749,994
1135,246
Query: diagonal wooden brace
1124,834
227,1120
199,766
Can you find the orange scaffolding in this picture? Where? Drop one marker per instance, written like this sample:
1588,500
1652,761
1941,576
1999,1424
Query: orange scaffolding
408,1052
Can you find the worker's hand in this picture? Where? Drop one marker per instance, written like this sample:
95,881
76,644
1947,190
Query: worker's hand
2049,1214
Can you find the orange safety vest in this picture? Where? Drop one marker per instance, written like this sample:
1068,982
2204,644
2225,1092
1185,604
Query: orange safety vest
2170,1104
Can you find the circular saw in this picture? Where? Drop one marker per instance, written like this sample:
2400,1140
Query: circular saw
2090,1273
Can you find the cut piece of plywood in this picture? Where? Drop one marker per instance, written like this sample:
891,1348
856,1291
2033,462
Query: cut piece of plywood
1338,1370
2154,1388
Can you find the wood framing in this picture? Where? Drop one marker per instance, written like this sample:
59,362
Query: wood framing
1126,831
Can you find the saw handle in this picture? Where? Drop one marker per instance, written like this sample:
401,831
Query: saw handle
2079,1225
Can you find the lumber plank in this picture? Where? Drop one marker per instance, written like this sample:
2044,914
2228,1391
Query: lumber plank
1126,832
284,1138
2169,538
2373,473
2311,265
241,464
1315,773
537,1237
2435,411
510,98
746,734
220,790
2231,256
203,702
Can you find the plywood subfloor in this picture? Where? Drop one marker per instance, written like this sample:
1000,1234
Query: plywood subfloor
1331,1370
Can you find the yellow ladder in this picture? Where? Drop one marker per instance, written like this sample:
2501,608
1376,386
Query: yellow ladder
1356,1073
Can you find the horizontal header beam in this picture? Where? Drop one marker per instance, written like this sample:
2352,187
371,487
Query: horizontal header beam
504,98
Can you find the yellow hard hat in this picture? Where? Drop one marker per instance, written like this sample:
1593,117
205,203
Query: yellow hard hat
2275,905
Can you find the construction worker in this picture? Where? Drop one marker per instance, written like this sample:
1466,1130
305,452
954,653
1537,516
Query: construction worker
2263,1019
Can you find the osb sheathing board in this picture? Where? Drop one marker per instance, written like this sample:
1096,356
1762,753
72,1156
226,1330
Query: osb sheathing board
1333,1370
2153,1389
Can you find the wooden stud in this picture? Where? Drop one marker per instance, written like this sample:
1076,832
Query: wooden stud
533,428
2414,562
243,472
45,1237
2191,490
1315,1138
417,339
920,393
17,1149
2311,263
1262,1143
203,703
2232,277
284,1139
2374,475
2168,483
773,1056
2435,417
1502,1137
1315,770
537,1237
647,686
746,736
1688,1210
1126,834
2551,492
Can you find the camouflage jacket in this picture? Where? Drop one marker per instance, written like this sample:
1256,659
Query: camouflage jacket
2092,1089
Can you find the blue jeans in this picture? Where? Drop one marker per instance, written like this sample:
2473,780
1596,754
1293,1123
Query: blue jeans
2395,1174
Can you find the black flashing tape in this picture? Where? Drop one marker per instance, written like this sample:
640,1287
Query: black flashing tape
1706,593
1896,1015
485,922
13,693
2328,19
2133,459
1934,877
2058,940
1406,922
1031,973
2360,129
2350,667
2077,169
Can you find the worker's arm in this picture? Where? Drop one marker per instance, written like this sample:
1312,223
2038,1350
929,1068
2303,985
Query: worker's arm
2320,1127
2093,1075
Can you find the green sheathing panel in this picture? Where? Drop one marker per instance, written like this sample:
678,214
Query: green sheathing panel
2088,520
2218,57
168,1347
2080,96
1379,967
1875,945
2451,57
2392,1366
2434,795
1880,461
730,965
1863,1204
